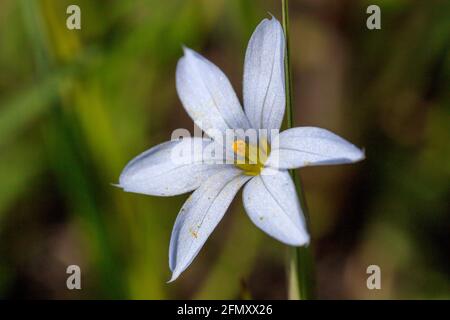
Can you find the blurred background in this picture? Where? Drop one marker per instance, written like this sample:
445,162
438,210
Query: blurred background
77,105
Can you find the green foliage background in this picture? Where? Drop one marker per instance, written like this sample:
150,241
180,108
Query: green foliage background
75,106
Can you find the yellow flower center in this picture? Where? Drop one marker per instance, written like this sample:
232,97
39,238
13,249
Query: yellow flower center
249,157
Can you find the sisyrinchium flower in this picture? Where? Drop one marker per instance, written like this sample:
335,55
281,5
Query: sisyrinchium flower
269,194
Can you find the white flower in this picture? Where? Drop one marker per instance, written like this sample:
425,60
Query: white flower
269,194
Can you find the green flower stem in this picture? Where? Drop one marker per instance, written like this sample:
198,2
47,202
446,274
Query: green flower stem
301,275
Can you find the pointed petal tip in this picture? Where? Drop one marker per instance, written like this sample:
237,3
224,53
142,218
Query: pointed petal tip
358,155
305,241
272,17
172,278
187,51
183,47
363,154
301,240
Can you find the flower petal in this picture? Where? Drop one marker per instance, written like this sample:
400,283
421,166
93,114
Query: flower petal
264,97
200,215
271,202
207,95
305,146
168,169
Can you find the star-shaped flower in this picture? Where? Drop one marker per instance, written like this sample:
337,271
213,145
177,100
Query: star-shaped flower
269,194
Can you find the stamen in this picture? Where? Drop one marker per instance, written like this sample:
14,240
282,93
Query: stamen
249,157
239,147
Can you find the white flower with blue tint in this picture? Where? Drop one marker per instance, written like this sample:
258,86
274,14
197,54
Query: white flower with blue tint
269,193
